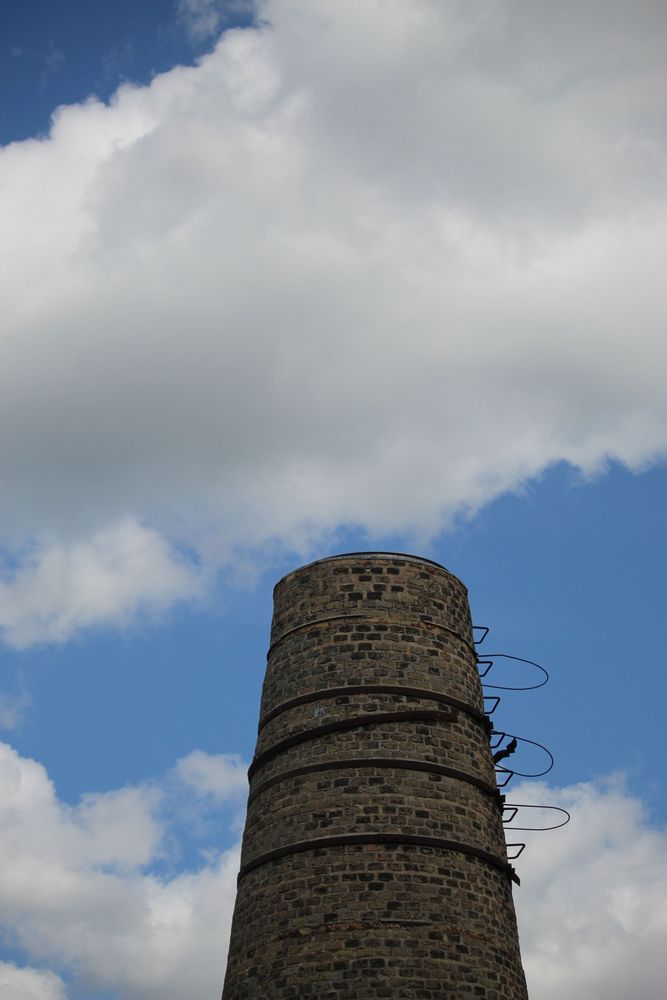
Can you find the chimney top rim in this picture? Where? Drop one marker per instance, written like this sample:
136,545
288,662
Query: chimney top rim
372,554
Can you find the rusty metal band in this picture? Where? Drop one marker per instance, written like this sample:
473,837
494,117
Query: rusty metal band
384,620
400,763
400,689
390,839
373,719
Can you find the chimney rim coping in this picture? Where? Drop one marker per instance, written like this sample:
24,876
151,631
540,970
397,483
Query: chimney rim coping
371,554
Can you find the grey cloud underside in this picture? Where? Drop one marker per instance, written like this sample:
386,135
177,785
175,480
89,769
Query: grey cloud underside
362,247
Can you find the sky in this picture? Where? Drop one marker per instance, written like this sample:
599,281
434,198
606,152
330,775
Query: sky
290,278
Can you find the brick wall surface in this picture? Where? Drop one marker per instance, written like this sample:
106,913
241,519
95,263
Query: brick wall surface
373,861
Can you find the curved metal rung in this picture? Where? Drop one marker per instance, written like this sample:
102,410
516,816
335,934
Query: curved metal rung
522,739
484,629
491,697
513,809
519,659
513,857
516,806
484,662
504,770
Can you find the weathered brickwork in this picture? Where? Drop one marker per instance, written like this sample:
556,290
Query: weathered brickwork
373,861
365,652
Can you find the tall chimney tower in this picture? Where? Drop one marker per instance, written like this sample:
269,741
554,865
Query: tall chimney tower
374,863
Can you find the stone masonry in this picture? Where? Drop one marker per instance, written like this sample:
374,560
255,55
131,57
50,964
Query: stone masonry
373,862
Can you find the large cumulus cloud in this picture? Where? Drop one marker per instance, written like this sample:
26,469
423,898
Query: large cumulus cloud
368,263
99,891
30,984
592,905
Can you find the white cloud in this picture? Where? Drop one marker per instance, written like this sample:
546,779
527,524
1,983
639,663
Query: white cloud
29,984
223,776
203,19
370,263
592,904
59,589
79,889
13,708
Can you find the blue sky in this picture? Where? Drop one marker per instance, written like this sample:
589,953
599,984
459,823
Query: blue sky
321,278
62,54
